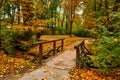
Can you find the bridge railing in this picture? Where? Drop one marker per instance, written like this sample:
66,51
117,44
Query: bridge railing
81,54
54,49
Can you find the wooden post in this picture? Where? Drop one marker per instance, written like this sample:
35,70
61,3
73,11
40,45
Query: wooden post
77,57
62,45
54,46
40,53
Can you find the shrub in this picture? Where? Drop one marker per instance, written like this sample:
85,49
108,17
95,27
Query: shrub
23,46
107,47
27,34
8,37
45,31
59,30
15,39
82,32
107,52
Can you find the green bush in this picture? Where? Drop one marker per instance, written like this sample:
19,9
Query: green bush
8,37
59,30
15,39
107,52
107,47
27,34
23,46
82,32
45,31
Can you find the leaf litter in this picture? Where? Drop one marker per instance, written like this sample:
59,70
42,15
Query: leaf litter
17,66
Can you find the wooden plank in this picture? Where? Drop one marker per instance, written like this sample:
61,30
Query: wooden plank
80,50
80,43
40,53
54,47
77,58
62,45
43,42
49,51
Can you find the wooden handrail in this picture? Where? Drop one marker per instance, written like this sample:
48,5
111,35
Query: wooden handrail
78,53
79,44
81,52
42,42
54,47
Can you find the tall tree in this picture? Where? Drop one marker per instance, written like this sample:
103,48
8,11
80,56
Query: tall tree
27,11
116,5
18,5
71,9
106,8
95,5
1,1
100,4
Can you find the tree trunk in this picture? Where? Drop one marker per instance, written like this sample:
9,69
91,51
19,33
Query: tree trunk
94,5
19,15
52,24
66,25
1,1
116,6
106,8
62,22
12,16
71,28
106,13
100,5
71,24
71,19
58,19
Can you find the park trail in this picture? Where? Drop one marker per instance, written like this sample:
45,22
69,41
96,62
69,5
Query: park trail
56,68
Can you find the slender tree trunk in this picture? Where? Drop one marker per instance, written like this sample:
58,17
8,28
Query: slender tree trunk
52,21
106,13
58,19
55,17
10,15
1,1
19,15
72,15
13,15
71,22
71,28
27,11
106,8
116,6
62,22
94,5
66,25
100,5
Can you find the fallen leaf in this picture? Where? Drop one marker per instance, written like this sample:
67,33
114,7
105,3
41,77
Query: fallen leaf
44,78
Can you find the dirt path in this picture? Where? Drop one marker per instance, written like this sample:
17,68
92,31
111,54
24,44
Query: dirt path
55,69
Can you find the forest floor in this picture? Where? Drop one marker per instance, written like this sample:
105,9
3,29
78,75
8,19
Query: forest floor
60,67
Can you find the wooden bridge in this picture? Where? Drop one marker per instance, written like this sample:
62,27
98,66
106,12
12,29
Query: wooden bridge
54,50
81,51
58,67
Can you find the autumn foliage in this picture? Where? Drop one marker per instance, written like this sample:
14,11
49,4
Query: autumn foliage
22,22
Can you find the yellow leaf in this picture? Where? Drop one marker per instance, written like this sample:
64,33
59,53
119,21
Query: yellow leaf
51,72
1,75
44,78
